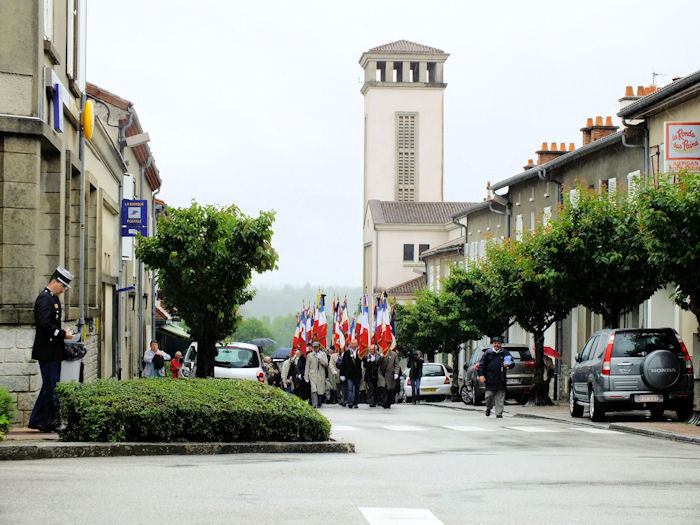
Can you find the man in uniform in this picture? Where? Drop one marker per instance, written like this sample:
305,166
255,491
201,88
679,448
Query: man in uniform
48,349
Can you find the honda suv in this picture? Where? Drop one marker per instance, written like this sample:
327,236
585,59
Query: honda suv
632,369
518,380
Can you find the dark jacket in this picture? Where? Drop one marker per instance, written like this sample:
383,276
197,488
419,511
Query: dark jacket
492,367
48,340
351,368
416,367
371,368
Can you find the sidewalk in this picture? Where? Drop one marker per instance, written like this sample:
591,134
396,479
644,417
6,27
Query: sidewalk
24,443
666,429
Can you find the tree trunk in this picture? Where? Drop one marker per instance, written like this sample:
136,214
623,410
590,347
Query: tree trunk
611,319
454,389
206,348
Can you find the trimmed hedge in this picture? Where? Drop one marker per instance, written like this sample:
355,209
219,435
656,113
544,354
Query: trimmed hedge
7,411
197,410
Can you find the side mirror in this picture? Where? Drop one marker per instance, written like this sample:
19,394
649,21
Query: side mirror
578,358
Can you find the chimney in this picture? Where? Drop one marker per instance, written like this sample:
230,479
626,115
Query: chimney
600,130
587,131
629,97
530,164
546,154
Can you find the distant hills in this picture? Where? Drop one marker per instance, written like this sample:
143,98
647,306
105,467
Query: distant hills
281,301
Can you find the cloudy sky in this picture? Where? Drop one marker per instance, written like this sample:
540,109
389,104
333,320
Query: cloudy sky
258,103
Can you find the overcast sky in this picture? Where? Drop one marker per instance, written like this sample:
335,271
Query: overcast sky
258,103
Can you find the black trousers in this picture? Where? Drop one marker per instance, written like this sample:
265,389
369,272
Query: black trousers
372,392
45,413
386,396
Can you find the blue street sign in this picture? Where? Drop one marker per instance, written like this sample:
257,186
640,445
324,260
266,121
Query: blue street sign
134,217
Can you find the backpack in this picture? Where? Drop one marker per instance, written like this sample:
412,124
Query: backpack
158,362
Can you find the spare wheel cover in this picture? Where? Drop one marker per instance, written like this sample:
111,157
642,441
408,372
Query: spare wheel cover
661,370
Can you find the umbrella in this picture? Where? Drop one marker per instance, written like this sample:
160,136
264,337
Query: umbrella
551,352
281,353
263,341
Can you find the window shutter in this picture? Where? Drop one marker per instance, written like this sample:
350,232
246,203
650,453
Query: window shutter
546,215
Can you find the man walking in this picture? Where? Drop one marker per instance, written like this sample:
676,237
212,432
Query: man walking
315,374
351,373
371,364
48,349
492,372
387,376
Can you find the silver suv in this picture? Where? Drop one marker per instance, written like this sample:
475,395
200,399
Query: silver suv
632,369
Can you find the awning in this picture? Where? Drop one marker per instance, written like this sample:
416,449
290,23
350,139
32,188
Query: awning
174,329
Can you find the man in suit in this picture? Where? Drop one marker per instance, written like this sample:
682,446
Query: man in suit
351,373
315,373
48,349
386,378
371,364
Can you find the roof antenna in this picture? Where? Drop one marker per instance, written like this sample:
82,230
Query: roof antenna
654,75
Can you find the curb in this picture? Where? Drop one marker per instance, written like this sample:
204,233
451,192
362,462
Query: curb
92,450
622,427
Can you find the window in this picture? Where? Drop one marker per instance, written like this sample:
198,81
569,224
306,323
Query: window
612,188
588,349
546,215
408,253
574,197
423,248
48,19
532,221
633,184
518,227
406,157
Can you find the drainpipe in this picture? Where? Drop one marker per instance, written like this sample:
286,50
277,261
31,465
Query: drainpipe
81,155
153,281
139,290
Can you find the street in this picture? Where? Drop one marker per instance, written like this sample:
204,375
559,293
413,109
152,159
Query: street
442,465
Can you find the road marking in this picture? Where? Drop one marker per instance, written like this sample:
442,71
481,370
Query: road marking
404,428
393,516
468,428
344,427
595,430
533,429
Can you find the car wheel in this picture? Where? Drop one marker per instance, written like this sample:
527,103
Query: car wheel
575,409
466,395
595,408
657,412
683,412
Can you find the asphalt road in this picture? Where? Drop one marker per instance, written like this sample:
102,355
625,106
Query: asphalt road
414,464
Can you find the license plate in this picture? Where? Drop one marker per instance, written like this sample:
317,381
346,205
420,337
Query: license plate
512,381
649,398
428,389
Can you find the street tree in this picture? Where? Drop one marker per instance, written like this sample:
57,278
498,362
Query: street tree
527,288
669,212
252,328
435,322
204,257
595,246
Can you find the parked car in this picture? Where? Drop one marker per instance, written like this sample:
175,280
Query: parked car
233,360
435,382
632,369
519,378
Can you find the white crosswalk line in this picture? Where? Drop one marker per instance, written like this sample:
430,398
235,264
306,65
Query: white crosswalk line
404,428
464,428
395,516
534,429
344,427
595,430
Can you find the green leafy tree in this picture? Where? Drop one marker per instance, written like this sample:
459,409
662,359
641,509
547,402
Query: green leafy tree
205,256
434,322
595,242
525,285
251,328
669,219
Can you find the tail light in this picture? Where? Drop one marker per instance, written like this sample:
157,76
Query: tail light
608,355
261,377
688,362
408,382
530,365
447,380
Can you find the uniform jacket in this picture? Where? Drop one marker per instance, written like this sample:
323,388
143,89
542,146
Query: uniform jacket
493,369
333,372
351,368
285,371
371,368
315,373
388,367
48,340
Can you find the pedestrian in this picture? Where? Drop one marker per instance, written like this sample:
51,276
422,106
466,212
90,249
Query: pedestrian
351,373
296,372
154,361
315,374
371,366
416,373
176,364
492,372
48,350
342,383
333,375
286,381
386,378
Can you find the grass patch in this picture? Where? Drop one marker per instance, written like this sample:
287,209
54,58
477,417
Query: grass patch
177,410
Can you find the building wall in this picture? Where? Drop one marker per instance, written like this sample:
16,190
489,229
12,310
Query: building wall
381,106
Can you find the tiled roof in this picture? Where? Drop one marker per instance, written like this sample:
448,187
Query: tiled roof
391,212
646,104
455,245
407,287
406,47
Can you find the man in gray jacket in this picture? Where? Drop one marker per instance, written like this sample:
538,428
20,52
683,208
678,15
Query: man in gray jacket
389,371
315,374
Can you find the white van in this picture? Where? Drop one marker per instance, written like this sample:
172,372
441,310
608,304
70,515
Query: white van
233,360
